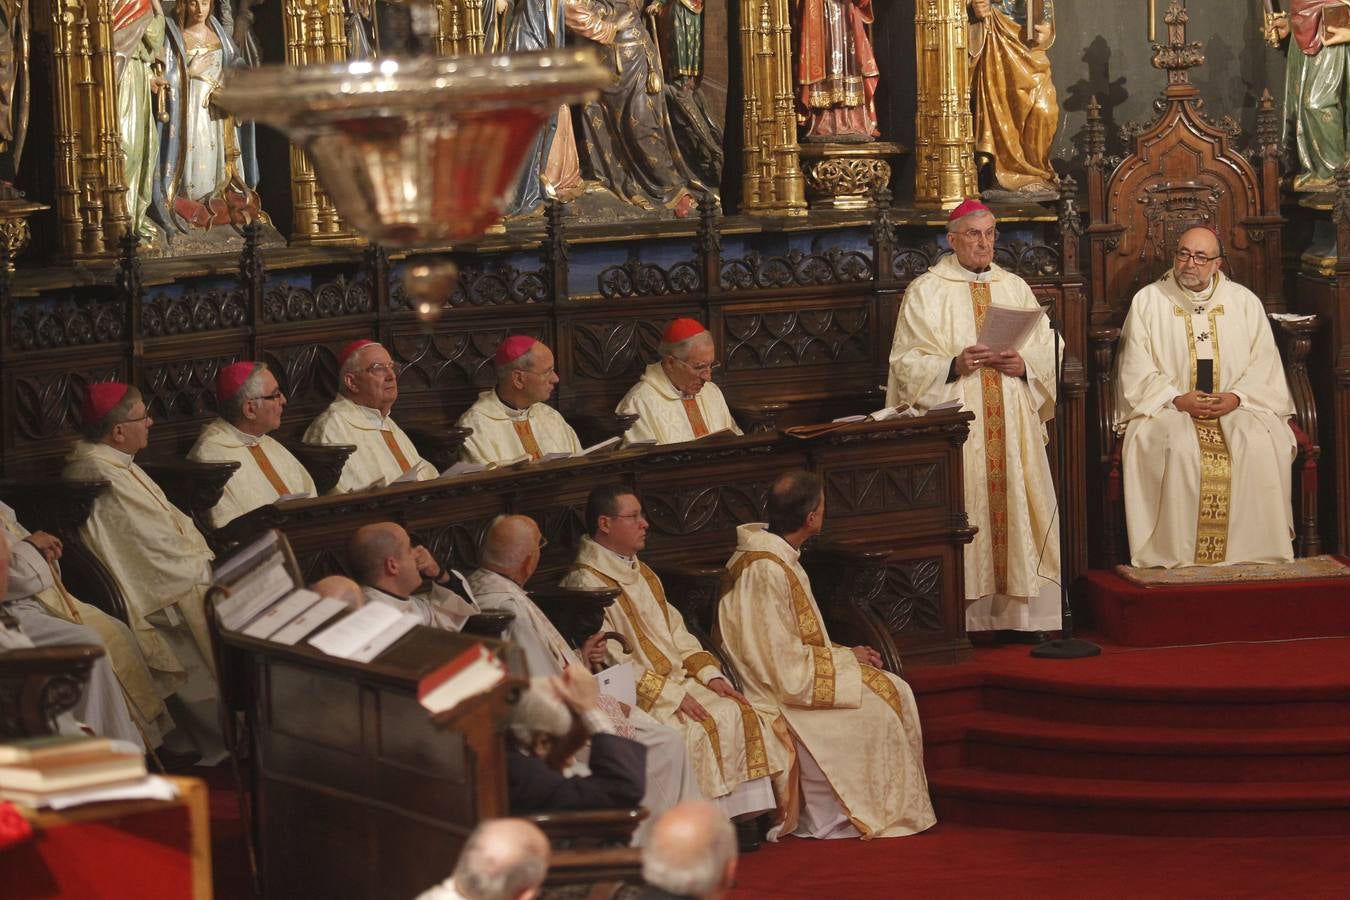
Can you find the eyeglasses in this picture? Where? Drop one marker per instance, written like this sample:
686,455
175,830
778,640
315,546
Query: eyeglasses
974,234
1200,259
275,395
137,419
544,374
634,516
543,542
704,369
380,369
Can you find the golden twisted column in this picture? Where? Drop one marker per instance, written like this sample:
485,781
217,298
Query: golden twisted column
944,132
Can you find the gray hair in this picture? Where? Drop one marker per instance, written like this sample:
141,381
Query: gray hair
498,861
690,868
353,363
232,410
956,224
100,428
503,372
680,349
538,711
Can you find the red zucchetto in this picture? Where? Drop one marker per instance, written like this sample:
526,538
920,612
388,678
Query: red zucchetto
682,330
352,348
966,208
231,378
100,398
512,348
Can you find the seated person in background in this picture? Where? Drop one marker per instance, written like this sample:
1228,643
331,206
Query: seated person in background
340,587
1202,401
503,859
250,404
158,558
691,854
24,622
554,719
734,751
367,389
859,746
513,419
392,571
676,400
510,556
36,590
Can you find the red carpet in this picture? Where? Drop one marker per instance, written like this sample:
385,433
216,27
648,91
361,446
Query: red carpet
1135,616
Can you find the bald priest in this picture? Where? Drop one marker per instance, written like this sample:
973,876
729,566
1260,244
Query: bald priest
359,415
676,400
250,403
513,419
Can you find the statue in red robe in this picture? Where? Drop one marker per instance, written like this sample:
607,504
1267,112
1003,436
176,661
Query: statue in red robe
836,71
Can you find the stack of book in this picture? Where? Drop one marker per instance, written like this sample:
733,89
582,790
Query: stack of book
36,769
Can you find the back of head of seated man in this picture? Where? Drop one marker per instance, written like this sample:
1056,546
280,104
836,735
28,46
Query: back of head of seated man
392,570
691,852
512,548
503,859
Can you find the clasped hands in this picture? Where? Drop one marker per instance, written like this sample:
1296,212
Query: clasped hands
978,356
1201,405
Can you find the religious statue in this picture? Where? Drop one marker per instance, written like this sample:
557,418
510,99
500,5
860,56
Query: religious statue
1316,88
14,43
209,171
138,66
362,41
837,73
1016,110
677,27
685,63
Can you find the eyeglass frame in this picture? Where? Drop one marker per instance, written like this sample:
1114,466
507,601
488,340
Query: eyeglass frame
699,370
393,367
971,234
640,514
274,396
1184,256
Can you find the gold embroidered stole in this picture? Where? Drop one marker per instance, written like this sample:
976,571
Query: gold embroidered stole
695,416
392,443
1216,466
526,435
995,448
265,465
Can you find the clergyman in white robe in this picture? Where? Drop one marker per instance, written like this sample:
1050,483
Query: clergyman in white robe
502,433
666,415
735,750
438,608
856,725
382,449
1012,569
1199,491
255,483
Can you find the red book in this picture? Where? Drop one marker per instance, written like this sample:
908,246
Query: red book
469,674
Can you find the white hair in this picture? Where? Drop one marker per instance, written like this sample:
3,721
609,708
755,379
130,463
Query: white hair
353,363
232,410
502,859
956,224
676,865
539,711
680,349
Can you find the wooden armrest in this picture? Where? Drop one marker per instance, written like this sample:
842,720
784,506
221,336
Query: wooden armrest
592,825
598,865
592,429
38,684
194,487
440,447
324,462
58,505
757,417
492,623
577,614
834,552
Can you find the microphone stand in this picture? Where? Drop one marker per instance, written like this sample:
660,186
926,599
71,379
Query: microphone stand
1067,646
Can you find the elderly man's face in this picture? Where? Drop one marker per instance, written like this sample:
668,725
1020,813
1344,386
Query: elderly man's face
1197,259
973,241
375,383
267,408
539,376
690,374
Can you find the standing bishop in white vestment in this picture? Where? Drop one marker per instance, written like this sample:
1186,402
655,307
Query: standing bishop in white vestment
154,552
250,403
359,415
676,400
510,556
513,419
1012,567
392,571
859,768
1202,400
733,748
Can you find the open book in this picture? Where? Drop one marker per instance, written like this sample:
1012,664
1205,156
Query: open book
881,415
261,596
366,633
467,675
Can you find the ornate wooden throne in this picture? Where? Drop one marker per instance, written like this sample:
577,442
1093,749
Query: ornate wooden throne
1184,170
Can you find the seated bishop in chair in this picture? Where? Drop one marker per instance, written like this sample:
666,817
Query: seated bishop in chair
393,571
676,400
734,749
159,559
1202,401
513,418
859,748
359,415
250,403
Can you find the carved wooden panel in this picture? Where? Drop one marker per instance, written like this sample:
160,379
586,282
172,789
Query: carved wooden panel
796,269
618,349
909,598
182,388
483,285
636,278
194,309
456,544
343,296
768,340
307,372
683,512
855,491
65,322
457,360
47,404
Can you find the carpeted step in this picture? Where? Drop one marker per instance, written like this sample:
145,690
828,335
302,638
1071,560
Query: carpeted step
1119,806
1004,743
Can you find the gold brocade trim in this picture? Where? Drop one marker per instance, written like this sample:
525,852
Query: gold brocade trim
995,449
526,436
649,689
655,658
710,726
880,685
756,757
697,662
1216,473
822,688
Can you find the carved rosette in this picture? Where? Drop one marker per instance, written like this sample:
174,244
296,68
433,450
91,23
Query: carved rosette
847,176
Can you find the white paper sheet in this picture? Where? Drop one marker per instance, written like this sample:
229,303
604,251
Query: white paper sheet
1006,327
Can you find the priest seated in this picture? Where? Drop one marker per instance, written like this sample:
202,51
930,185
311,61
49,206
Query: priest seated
155,554
855,727
393,571
513,419
359,415
250,403
1202,402
503,859
734,750
676,400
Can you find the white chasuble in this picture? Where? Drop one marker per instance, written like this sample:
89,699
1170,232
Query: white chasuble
267,470
438,608
1012,566
1213,491
734,744
667,416
382,449
860,724
501,433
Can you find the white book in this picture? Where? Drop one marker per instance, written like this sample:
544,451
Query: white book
252,595
298,495
463,468
513,461
643,442
373,486
603,445
556,454
410,475
881,415
305,623
281,613
619,682
362,635
246,559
